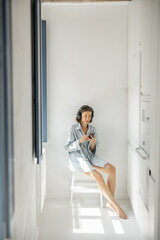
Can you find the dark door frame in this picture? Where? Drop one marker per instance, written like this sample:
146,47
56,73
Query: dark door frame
6,122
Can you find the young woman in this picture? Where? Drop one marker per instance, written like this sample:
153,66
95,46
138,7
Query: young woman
81,146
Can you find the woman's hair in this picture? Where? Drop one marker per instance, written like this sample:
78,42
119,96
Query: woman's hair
82,109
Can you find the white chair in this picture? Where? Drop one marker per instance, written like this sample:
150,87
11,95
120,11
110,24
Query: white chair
84,187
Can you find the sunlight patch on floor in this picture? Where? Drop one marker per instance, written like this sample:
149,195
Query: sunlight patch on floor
89,226
117,226
87,220
89,212
111,213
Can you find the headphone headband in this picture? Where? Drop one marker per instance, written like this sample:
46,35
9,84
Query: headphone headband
84,107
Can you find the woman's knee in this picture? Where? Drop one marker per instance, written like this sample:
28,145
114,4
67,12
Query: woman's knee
97,176
113,170
110,169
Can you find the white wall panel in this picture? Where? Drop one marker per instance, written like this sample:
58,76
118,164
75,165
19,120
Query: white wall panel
87,64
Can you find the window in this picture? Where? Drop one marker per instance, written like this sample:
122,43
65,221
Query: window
39,80
44,80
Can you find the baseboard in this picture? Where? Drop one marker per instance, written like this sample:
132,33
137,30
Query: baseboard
97,195
119,195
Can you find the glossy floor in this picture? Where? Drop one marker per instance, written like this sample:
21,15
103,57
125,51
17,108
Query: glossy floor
86,220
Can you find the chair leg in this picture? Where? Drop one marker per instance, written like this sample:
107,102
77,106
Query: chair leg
101,199
72,185
71,199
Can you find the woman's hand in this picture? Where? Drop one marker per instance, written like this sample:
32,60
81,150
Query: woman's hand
93,143
92,139
84,138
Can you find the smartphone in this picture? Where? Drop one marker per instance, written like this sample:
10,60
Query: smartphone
91,134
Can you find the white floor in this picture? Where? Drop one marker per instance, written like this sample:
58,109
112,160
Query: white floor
87,221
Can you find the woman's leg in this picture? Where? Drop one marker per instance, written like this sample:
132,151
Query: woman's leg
111,183
111,180
111,171
106,191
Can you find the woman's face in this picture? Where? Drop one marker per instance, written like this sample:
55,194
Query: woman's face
86,117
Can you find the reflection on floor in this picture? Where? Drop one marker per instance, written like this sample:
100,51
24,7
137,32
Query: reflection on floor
86,220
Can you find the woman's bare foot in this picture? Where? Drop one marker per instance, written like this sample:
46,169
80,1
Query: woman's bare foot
118,210
121,213
110,205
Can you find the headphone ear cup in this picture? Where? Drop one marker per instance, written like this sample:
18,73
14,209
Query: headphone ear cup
92,114
79,116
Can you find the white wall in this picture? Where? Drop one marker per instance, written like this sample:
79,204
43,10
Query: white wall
142,77
24,220
86,64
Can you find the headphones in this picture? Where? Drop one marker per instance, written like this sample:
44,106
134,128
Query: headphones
79,114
